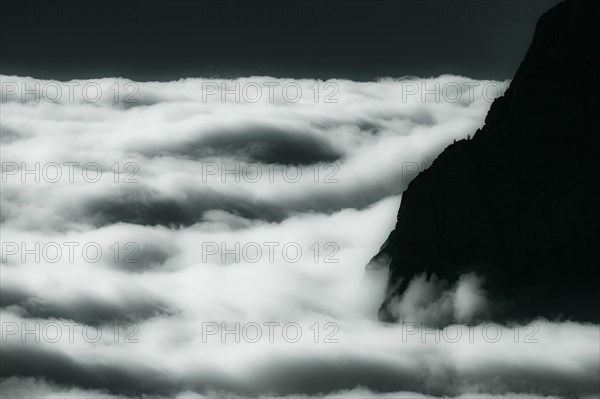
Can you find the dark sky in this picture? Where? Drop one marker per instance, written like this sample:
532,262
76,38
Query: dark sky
360,40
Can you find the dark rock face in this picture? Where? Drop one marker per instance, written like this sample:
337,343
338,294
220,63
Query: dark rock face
519,203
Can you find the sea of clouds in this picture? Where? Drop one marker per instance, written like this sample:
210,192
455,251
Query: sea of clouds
208,238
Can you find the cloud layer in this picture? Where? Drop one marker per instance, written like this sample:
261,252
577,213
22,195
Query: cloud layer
185,225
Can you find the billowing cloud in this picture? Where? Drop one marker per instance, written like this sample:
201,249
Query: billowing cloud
434,302
195,245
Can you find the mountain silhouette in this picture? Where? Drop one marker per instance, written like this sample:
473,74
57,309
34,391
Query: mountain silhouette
518,204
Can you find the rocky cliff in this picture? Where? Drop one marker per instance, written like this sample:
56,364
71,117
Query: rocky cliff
518,204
